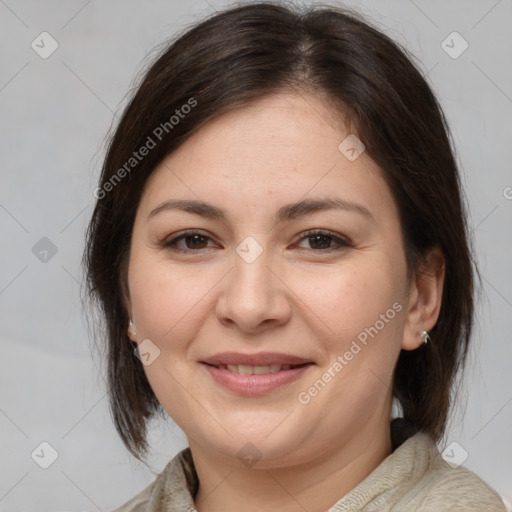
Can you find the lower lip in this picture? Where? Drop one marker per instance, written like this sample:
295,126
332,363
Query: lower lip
254,384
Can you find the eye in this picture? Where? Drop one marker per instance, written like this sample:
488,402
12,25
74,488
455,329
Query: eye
319,241
322,238
194,240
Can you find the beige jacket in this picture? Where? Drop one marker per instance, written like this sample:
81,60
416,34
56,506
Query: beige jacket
413,478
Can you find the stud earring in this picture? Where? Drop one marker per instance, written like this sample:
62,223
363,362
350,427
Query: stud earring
425,338
131,329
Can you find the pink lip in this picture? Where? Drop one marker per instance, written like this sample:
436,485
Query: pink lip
259,359
254,384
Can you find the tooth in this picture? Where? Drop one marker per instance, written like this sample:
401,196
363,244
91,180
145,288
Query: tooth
244,369
260,370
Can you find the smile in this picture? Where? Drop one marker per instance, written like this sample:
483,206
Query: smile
255,380
244,369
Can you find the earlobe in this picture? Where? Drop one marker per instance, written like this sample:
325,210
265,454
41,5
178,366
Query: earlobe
425,299
132,332
425,337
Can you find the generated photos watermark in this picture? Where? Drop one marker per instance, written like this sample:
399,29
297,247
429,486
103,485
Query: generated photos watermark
305,397
152,141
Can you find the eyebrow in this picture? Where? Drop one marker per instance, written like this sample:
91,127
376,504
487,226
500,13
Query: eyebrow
285,213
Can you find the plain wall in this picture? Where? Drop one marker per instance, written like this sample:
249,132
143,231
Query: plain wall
56,112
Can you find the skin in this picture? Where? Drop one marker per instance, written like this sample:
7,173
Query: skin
297,297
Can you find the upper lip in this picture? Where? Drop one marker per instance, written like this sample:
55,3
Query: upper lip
260,359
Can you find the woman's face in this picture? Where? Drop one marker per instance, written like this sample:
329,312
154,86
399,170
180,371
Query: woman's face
254,288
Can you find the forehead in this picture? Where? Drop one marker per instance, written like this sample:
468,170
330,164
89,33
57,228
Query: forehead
276,150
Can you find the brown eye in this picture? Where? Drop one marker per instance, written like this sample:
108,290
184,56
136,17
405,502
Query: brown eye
320,241
193,240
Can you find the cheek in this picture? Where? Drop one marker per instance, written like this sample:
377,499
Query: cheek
167,300
342,303
168,305
357,315
338,302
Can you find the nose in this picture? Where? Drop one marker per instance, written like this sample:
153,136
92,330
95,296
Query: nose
254,295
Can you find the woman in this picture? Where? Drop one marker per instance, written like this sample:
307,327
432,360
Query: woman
280,232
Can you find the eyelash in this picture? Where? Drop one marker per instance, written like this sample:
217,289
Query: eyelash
342,242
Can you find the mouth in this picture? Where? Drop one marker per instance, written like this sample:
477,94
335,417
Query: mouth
255,374
244,369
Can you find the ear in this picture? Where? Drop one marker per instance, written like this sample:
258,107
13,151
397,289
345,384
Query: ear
425,297
125,297
132,332
130,328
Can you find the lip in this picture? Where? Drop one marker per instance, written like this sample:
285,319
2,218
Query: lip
251,385
259,359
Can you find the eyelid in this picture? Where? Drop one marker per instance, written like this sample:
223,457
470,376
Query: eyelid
341,241
338,237
177,237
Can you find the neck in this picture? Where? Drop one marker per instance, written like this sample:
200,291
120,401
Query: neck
314,486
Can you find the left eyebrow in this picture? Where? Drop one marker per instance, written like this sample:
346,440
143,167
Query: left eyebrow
285,213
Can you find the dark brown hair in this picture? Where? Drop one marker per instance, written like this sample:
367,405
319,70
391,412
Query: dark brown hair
242,54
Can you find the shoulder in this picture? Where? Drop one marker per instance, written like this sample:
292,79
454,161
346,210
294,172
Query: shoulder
140,501
172,489
447,488
457,489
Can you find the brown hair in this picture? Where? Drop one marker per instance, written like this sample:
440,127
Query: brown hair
247,52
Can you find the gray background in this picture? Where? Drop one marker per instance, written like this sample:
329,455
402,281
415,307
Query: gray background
55,113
